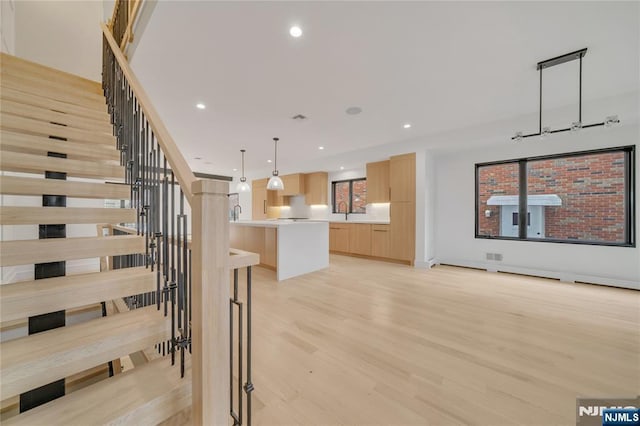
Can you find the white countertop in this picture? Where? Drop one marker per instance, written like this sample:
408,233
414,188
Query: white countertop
372,222
275,223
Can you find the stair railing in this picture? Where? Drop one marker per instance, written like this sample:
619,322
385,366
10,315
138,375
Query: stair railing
162,186
122,21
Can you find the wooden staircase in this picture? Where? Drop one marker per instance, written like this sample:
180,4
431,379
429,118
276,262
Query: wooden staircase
43,111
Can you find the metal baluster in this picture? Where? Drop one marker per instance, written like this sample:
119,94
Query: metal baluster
179,260
235,287
173,285
156,216
165,234
186,273
190,298
248,387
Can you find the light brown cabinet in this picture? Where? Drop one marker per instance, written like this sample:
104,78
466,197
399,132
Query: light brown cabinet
380,240
293,185
316,188
402,178
360,239
263,200
402,231
339,238
378,188
259,199
377,240
256,239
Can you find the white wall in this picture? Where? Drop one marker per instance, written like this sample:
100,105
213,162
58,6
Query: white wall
445,192
107,9
454,212
64,35
7,26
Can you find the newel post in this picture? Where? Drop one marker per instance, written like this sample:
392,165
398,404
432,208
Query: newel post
210,303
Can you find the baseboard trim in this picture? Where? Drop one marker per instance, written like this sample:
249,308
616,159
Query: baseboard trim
558,275
364,256
425,265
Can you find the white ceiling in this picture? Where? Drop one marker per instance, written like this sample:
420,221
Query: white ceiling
436,65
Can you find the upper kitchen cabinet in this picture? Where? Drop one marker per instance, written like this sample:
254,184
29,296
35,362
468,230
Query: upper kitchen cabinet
402,178
293,184
378,187
316,187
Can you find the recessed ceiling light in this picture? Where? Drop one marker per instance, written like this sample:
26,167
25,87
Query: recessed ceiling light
269,161
354,110
341,167
407,126
321,148
295,31
235,170
200,105
197,158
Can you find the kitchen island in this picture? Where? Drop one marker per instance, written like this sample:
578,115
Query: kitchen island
291,248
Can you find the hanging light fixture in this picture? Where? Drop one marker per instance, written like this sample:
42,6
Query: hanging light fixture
576,126
243,186
275,183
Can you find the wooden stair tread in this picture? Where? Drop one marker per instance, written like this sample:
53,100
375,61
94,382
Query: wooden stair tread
33,163
32,361
41,145
33,99
29,298
25,252
13,215
20,66
26,86
39,127
42,86
49,115
14,185
146,395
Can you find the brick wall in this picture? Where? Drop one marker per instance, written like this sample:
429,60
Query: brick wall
591,188
341,190
359,196
499,179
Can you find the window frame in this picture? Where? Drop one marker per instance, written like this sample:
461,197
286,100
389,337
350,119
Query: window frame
333,195
629,197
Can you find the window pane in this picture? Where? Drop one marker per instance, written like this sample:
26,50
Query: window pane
359,200
579,198
498,200
341,197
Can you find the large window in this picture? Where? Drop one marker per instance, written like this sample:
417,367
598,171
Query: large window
584,197
349,196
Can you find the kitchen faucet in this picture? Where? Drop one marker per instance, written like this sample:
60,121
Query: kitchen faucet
236,216
346,212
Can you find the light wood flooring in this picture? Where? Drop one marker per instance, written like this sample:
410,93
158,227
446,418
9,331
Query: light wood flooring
368,342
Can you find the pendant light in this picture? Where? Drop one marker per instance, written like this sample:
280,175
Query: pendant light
576,126
275,183
243,186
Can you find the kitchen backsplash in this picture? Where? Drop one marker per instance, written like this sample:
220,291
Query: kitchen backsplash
297,208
